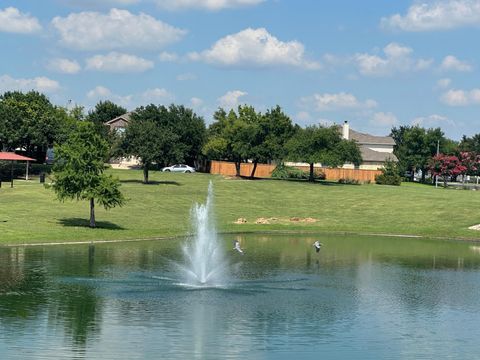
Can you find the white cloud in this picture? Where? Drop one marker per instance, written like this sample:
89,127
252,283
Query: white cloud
397,59
461,97
130,101
167,57
444,83
382,119
231,99
64,66
436,15
432,121
329,102
186,77
116,29
99,92
41,84
255,48
118,63
211,5
196,102
13,21
450,62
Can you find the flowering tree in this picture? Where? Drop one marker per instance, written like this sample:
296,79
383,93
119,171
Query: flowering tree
471,161
446,166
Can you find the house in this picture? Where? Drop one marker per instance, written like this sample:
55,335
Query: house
119,123
375,150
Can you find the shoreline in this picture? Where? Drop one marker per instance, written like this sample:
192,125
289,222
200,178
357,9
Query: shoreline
267,232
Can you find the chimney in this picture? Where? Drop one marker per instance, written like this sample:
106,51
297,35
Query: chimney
346,130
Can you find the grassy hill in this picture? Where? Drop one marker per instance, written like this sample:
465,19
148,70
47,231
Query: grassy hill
29,213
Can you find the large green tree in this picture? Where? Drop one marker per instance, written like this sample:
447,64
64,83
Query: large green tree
232,136
30,121
162,136
415,146
78,172
325,145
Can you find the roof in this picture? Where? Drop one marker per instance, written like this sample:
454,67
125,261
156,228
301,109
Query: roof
125,117
9,156
362,138
369,155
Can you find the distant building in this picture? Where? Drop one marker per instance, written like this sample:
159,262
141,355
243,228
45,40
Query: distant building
375,149
119,124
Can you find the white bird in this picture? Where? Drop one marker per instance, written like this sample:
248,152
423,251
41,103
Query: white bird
317,244
236,246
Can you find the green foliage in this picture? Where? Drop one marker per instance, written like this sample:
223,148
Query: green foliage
105,111
390,174
30,121
348,181
248,135
78,173
290,172
415,146
318,144
163,136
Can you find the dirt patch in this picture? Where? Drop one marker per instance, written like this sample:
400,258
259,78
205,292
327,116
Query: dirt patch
274,220
241,221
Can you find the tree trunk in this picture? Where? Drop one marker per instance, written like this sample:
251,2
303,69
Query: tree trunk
423,175
237,167
92,213
145,173
255,163
311,177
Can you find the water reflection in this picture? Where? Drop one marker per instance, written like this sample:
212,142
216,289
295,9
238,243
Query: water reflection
359,297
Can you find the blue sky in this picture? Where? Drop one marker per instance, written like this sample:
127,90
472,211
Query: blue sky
376,64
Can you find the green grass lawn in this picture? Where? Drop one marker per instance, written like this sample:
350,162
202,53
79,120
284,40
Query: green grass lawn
30,213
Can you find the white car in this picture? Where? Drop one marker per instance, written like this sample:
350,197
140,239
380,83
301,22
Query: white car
179,168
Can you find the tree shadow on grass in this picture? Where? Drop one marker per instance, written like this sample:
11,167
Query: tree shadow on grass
79,222
151,182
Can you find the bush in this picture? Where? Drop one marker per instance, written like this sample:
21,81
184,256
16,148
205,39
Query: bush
348,181
390,174
290,172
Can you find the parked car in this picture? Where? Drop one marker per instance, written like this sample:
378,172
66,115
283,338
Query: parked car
179,168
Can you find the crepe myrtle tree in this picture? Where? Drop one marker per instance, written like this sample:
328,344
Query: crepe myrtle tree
446,166
78,173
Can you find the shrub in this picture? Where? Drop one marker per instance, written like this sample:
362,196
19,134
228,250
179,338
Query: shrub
348,181
390,174
19,169
290,172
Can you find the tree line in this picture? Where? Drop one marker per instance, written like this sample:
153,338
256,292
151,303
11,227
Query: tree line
163,135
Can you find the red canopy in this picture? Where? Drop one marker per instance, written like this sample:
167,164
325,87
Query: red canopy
9,156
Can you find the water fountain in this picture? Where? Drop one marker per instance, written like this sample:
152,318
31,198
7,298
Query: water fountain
205,264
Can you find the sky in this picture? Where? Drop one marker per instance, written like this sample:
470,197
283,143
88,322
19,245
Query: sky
373,63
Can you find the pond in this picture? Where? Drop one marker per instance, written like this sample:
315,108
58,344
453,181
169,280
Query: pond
358,298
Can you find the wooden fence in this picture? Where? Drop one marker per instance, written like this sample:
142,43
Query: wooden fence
265,171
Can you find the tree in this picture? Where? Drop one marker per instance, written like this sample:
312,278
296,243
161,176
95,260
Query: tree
30,121
471,162
446,166
415,146
231,135
105,111
151,138
274,129
469,144
79,171
318,144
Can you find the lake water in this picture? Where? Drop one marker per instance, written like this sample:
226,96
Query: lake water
359,298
